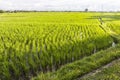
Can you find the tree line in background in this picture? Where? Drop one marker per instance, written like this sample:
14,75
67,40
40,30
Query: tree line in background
15,11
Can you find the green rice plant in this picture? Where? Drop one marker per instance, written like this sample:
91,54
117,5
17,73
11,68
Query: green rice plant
42,42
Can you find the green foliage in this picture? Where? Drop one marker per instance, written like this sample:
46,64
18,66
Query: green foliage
41,42
77,69
1,11
110,73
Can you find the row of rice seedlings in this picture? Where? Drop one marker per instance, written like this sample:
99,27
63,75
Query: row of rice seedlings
29,54
81,67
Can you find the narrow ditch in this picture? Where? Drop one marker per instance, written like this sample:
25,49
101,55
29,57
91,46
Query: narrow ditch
99,69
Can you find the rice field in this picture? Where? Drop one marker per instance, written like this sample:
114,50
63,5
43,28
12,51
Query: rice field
41,42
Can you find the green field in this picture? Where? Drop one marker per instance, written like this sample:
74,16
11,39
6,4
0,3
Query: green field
56,45
110,73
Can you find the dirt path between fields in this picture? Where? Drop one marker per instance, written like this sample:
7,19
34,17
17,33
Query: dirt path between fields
99,69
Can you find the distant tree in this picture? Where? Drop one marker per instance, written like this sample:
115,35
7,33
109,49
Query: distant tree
86,10
1,11
14,11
